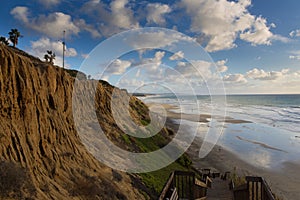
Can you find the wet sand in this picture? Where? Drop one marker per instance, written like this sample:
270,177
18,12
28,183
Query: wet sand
204,118
284,182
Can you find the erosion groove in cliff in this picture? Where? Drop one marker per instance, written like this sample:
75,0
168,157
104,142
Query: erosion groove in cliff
38,137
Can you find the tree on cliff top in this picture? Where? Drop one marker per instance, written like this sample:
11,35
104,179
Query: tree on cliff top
4,41
49,57
14,35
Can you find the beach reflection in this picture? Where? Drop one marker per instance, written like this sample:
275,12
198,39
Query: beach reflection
260,158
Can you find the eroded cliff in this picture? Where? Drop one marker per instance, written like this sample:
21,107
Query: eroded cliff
38,140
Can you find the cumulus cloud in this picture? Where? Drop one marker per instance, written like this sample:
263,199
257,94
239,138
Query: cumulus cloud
20,13
260,74
295,33
152,65
41,46
259,33
197,69
156,12
222,22
122,16
118,67
155,39
221,65
52,24
177,56
87,27
113,18
235,78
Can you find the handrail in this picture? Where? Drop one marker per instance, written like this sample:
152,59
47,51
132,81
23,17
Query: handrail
167,186
186,186
255,189
267,189
260,190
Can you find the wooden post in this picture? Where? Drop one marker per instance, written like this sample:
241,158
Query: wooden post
64,44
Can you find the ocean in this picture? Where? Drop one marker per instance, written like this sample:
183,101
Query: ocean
272,138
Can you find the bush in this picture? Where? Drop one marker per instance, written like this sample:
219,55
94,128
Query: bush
15,181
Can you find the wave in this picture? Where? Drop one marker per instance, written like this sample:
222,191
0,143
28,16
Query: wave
274,114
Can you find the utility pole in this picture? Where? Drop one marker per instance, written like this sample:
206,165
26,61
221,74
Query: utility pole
64,49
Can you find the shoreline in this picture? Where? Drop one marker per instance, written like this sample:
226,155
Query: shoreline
284,182
202,118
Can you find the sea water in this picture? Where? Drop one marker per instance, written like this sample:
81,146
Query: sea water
272,138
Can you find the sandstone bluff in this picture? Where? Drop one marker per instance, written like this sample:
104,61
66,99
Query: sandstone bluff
41,155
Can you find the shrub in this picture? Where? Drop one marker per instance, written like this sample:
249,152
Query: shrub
15,181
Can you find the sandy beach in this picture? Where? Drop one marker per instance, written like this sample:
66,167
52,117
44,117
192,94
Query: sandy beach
284,182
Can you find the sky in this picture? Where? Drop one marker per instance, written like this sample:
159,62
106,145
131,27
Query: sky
246,46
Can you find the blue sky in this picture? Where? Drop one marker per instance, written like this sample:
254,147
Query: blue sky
254,44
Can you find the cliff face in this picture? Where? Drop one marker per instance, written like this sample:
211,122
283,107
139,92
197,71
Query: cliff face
38,139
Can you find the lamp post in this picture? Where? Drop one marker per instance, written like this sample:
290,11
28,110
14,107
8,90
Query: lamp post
64,45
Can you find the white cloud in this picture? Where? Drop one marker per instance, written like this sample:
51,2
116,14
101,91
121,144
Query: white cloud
20,13
295,33
259,33
155,39
49,3
112,18
260,74
152,65
221,66
283,81
130,84
295,55
197,69
222,22
122,16
177,56
281,38
118,67
40,47
159,55
235,78
87,27
53,24
156,12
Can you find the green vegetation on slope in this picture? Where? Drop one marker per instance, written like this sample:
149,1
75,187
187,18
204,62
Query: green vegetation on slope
156,180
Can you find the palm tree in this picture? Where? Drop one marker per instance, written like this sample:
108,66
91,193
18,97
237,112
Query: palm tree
49,57
14,35
4,41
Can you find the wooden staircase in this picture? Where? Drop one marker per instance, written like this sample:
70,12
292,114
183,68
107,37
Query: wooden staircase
219,190
183,185
211,186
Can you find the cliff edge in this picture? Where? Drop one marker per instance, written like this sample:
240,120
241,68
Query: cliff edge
41,155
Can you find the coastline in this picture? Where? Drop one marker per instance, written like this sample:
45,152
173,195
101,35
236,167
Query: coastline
202,118
284,182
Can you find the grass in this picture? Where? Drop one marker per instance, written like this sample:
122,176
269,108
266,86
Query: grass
126,139
237,180
157,179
